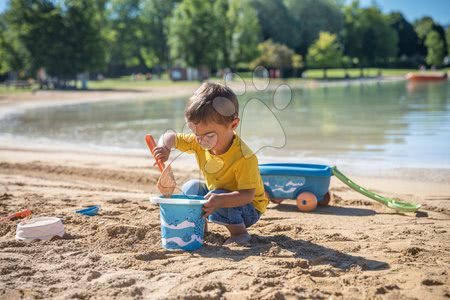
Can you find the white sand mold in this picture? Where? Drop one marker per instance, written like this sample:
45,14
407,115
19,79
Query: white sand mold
42,228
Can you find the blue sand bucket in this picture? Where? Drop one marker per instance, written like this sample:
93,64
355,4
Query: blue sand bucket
182,225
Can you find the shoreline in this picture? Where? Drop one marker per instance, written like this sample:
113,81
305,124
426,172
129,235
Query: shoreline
162,92
418,178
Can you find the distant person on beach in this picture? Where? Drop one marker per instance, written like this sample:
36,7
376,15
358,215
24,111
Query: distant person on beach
233,187
42,78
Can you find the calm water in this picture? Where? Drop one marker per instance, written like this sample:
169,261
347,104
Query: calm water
389,124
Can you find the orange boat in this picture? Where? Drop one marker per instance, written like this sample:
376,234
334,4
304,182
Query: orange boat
427,76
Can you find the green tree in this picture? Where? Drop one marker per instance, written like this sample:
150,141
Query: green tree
126,32
311,17
13,56
245,33
39,30
367,35
353,33
380,40
85,44
137,32
447,37
193,38
435,48
274,55
325,52
408,40
222,33
62,37
275,21
423,27
154,17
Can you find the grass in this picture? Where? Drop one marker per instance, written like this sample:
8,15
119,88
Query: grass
111,84
125,82
12,90
354,72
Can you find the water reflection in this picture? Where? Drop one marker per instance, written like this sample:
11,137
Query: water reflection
381,123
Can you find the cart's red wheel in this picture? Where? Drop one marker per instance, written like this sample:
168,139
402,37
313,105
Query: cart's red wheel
326,199
306,201
276,201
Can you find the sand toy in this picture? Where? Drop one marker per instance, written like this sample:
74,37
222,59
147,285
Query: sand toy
42,228
166,183
391,203
309,185
89,211
18,215
182,224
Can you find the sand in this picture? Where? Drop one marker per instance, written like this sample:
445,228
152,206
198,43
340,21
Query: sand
353,249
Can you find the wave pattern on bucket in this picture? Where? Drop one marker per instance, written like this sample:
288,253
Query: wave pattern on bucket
180,242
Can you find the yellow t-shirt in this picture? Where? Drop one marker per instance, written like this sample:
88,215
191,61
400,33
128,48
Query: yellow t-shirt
236,169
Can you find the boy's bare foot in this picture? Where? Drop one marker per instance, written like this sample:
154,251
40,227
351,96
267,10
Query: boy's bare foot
241,239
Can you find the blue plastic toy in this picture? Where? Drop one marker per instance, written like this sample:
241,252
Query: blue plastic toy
89,211
308,184
297,181
182,225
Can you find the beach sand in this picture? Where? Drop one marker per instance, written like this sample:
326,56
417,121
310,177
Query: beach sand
353,249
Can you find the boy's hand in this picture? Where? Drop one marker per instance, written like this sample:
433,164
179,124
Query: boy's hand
161,153
214,202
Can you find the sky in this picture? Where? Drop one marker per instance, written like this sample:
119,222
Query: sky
439,10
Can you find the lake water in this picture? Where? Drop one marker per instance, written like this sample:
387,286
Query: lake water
394,124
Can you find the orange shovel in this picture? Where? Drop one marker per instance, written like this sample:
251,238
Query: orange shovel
151,146
166,183
18,215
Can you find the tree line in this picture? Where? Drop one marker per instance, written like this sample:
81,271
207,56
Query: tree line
117,37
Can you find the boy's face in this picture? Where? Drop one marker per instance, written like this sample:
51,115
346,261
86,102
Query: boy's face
212,135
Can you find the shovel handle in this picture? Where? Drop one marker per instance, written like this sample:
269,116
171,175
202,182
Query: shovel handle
18,215
150,141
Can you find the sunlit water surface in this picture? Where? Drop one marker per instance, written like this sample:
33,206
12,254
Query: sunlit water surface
397,124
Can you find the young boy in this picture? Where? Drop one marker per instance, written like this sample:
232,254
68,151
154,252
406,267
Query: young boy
234,186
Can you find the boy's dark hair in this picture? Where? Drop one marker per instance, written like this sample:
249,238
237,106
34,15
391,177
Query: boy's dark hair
212,102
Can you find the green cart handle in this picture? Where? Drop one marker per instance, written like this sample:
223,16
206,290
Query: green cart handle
391,203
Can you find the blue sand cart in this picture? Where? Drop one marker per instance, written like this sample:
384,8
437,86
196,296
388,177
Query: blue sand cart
310,183
291,181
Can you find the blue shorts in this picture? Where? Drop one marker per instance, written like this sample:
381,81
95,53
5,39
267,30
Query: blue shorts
246,214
